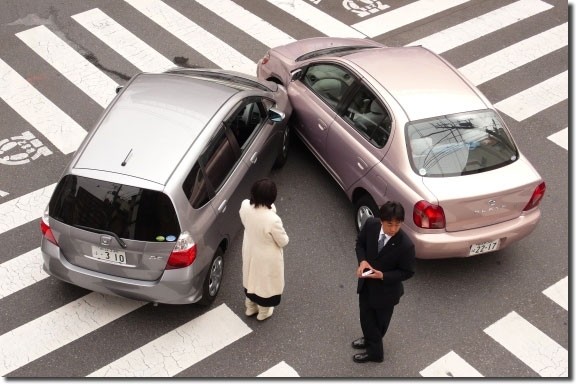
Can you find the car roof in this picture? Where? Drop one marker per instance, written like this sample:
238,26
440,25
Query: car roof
152,124
423,84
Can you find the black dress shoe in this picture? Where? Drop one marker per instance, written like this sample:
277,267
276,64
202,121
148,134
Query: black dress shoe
359,343
364,357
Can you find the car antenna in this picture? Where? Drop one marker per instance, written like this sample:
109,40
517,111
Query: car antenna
127,157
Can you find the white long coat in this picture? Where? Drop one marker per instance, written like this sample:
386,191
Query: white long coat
262,256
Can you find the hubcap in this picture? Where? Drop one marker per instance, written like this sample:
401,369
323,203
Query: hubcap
363,213
215,276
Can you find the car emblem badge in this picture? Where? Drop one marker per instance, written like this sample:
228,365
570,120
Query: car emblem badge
492,203
105,240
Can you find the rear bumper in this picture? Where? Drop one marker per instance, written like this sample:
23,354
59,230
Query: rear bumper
178,286
457,244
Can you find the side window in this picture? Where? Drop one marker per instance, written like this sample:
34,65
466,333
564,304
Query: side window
195,187
218,160
328,81
245,121
367,115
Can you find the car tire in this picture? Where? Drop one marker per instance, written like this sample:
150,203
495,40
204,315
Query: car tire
213,279
365,207
283,155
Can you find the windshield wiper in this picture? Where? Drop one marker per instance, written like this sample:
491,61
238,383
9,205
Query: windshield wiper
118,239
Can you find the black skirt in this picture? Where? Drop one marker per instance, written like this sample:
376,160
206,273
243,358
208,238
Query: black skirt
263,301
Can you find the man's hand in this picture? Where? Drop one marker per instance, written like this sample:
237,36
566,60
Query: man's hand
363,265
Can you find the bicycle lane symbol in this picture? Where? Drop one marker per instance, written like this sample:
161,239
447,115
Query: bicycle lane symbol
22,149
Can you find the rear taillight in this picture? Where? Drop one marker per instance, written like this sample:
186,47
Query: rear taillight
184,252
45,227
428,215
266,58
536,197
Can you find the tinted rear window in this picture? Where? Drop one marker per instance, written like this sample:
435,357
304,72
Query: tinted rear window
130,212
460,144
333,51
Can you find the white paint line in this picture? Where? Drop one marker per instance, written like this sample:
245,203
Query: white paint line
124,42
280,370
180,348
538,351
63,132
60,327
516,55
193,35
482,25
249,23
71,64
399,17
317,19
23,209
561,138
21,272
559,293
536,99
450,365
3,194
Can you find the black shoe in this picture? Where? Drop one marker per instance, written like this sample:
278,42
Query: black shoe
364,357
359,343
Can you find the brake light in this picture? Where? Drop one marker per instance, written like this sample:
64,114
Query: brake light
536,197
427,215
266,58
45,228
184,252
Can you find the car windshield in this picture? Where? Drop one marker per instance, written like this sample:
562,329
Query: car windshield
341,51
460,144
126,211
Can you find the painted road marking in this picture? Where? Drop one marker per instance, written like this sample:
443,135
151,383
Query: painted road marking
280,370
561,138
399,17
21,272
538,351
246,21
317,19
180,348
23,209
63,132
450,365
60,327
516,55
3,194
124,42
559,293
193,35
536,99
477,27
70,64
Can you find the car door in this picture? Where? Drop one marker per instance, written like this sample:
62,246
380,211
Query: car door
358,136
315,97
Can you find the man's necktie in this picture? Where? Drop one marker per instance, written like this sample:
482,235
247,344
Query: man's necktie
381,242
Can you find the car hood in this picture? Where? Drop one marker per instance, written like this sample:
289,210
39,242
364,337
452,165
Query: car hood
482,199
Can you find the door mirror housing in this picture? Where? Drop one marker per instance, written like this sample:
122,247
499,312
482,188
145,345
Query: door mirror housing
276,115
296,74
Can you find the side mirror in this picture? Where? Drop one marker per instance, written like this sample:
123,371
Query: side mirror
276,115
119,88
296,74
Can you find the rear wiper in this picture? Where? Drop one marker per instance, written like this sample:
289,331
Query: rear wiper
118,239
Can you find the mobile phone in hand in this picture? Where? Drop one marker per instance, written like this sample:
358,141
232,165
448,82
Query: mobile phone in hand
367,271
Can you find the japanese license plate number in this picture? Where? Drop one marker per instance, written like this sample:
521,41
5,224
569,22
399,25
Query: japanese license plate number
488,246
109,255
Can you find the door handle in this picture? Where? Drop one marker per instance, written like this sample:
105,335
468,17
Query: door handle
222,207
322,125
361,164
254,158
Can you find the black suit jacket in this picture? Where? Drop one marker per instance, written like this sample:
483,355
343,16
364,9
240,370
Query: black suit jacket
396,261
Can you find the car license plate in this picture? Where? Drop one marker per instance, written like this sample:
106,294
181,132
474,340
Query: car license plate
109,255
488,246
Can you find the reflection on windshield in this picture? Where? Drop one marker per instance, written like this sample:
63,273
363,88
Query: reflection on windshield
460,144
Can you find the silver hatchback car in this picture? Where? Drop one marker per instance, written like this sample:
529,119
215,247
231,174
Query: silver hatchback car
400,123
149,203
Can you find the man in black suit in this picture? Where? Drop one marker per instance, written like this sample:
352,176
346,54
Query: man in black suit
386,257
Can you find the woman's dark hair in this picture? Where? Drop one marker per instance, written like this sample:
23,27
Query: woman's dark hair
263,193
392,211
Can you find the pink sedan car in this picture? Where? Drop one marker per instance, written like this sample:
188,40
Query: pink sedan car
401,123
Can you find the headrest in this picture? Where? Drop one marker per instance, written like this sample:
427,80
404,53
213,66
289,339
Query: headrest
376,108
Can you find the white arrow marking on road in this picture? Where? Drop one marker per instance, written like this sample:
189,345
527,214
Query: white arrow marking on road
450,365
559,293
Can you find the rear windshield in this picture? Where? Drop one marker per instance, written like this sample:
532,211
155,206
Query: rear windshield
129,212
334,51
460,144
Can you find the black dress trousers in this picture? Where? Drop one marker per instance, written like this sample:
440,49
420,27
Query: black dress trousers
374,323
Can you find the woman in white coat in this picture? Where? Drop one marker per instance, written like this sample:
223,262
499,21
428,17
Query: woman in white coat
262,256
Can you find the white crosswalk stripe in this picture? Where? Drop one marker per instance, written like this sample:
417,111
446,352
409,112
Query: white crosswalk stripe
21,272
70,64
559,293
3,194
450,365
538,351
181,348
280,370
478,27
561,138
128,45
24,209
